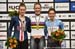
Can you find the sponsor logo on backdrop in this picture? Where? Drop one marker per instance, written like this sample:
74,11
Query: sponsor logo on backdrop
4,17
3,26
46,6
62,6
30,7
2,0
14,0
67,44
72,34
67,35
59,15
72,25
61,0
72,0
66,16
72,44
30,0
3,35
66,25
63,44
69,16
62,16
46,0
3,7
13,6
73,15
1,44
73,6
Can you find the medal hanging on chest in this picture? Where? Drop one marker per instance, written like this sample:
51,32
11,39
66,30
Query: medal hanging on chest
51,28
37,22
23,26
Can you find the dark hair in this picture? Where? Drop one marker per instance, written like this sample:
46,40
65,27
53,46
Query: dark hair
51,9
22,4
37,3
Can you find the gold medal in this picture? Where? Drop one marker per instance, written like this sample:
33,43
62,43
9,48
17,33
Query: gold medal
37,23
37,27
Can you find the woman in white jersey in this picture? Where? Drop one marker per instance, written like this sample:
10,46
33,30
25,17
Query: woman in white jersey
37,34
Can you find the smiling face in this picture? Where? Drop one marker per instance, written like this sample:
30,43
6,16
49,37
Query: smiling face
37,9
51,14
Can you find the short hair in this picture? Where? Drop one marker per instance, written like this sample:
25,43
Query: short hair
22,4
51,9
37,3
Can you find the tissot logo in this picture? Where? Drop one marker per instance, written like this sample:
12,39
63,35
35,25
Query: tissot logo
46,6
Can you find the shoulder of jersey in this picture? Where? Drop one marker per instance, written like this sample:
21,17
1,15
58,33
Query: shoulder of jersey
32,16
42,16
59,20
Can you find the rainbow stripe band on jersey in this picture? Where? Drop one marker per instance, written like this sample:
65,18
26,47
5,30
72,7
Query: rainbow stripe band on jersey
34,26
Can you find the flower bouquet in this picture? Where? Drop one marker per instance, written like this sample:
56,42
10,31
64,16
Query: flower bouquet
11,42
13,12
58,35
